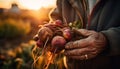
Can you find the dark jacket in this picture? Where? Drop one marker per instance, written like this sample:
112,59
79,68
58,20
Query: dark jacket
104,18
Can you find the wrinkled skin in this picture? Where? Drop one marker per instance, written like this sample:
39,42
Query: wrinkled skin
93,44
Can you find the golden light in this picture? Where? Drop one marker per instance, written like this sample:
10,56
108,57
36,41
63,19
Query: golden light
5,3
36,4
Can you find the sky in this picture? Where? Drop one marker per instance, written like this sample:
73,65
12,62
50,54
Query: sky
28,4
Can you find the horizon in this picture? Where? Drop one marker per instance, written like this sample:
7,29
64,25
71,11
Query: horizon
29,5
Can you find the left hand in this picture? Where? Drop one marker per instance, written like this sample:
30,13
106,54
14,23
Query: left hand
86,48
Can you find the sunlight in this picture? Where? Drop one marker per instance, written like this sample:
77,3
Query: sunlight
5,3
36,4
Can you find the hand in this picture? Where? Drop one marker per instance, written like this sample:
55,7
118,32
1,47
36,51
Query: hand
86,48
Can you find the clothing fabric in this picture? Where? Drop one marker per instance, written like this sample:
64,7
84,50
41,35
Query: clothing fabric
91,4
67,13
105,18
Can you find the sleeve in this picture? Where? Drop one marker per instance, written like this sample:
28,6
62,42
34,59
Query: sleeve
113,37
56,13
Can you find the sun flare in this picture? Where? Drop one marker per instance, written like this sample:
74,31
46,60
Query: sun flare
37,4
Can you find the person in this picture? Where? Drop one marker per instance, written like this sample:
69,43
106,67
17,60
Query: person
100,47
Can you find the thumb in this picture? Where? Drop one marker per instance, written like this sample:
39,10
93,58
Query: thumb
82,32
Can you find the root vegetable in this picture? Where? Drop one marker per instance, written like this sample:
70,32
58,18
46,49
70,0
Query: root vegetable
58,43
45,33
51,26
67,34
58,23
39,43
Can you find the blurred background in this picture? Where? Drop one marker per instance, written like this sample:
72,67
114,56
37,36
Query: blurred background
19,21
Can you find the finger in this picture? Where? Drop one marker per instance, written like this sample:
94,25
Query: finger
77,52
83,57
68,45
78,57
82,32
77,44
